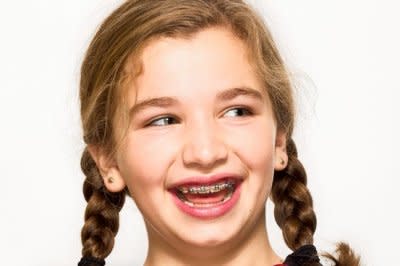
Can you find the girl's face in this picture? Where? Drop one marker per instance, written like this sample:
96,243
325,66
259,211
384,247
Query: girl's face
202,146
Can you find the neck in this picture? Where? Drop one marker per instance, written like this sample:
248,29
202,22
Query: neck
251,249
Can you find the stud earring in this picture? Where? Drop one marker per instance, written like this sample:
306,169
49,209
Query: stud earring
282,161
110,179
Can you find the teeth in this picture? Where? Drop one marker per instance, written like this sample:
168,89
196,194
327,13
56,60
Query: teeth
192,204
207,189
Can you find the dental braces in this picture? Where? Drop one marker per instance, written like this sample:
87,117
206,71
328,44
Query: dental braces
207,189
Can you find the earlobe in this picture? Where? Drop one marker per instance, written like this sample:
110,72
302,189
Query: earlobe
113,182
108,169
281,157
281,162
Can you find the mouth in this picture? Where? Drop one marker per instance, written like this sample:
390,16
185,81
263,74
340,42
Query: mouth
207,200
203,196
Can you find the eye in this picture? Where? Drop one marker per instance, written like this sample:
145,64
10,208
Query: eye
238,111
162,121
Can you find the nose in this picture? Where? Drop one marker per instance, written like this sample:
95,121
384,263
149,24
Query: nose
204,146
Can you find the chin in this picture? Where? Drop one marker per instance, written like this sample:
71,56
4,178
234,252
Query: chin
220,232
209,239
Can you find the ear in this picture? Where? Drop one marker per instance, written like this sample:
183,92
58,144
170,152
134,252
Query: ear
108,169
281,157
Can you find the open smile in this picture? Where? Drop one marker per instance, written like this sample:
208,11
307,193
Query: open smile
207,200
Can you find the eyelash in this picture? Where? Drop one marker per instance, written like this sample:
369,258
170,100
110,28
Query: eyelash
247,112
163,118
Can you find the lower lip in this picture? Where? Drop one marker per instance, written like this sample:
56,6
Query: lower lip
209,212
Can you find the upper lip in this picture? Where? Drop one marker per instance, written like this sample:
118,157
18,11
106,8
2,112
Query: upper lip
206,180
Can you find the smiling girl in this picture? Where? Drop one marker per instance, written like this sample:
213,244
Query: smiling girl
187,108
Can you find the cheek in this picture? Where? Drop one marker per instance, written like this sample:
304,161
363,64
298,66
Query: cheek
143,163
255,146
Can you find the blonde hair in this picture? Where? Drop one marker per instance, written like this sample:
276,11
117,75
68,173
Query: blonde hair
104,72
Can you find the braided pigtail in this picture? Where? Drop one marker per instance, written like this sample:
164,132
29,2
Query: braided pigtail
294,211
101,215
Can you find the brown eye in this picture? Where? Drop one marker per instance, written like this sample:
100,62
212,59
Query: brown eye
239,111
163,121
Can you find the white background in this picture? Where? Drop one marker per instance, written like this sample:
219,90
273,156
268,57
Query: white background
344,57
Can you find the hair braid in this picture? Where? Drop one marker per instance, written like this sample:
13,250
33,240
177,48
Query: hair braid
102,212
293,202
294,211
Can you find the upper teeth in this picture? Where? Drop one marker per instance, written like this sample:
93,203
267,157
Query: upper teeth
206,189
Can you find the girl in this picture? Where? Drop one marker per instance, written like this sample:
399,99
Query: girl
187,108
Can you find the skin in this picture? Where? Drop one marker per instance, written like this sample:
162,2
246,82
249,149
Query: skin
204,135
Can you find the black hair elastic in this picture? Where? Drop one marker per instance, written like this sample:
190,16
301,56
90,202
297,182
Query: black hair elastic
303,256
90,261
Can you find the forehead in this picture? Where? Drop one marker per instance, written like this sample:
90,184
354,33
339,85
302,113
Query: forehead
212,59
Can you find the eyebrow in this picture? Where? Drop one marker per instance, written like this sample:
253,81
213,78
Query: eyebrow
153,102
230,94
225,95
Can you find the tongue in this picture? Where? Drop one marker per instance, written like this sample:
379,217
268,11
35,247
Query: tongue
206,198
